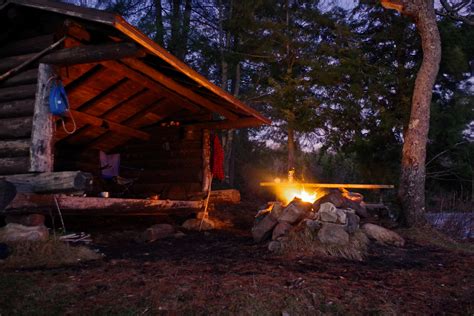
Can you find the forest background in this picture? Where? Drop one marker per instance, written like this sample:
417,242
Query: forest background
335,77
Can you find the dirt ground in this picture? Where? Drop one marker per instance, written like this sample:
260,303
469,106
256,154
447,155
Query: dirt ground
224,272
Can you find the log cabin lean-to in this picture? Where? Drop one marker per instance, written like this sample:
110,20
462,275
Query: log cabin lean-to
127,95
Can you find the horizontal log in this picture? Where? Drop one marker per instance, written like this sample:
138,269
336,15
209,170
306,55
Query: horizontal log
18,127
18,92
329,185
78,55
230,196
190,189
162,154
51,182
17,108
187,162
73,205
12,165
112,126
228,124
170,175
26,77
15,148
26,46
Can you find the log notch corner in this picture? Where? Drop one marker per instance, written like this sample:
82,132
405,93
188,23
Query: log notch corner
42,129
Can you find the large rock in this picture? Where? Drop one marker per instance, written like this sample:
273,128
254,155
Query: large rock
17,232
334,197
295,212
26,220
274,246
333,234
263,227
277,209
352,222
313,225
327,213
359,208
158,231
195,224
383,235
281,229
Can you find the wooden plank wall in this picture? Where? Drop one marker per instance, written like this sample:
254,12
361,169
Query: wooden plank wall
170,163
17,98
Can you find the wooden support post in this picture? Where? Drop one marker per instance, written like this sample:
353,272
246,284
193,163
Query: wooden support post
42,132
206,160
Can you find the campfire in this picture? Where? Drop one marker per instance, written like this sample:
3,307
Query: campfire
321,218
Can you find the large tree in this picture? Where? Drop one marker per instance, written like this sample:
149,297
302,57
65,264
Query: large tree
412,178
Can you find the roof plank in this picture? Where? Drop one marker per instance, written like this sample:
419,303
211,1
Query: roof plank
180,89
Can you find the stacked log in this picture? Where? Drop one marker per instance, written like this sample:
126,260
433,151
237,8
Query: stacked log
17,98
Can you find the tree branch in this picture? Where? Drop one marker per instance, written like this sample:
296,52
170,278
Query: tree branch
452,11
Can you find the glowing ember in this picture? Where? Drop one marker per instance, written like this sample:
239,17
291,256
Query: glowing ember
289,193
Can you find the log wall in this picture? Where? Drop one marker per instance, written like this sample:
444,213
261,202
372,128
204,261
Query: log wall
169,164
17,99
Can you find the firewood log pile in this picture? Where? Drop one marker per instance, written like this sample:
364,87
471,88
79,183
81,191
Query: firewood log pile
335,224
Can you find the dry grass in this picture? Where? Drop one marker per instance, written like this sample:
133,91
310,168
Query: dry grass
304,241
432,236
50,253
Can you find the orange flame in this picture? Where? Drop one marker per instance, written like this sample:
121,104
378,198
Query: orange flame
288,193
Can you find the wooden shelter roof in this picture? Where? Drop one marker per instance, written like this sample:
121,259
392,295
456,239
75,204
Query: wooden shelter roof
115,99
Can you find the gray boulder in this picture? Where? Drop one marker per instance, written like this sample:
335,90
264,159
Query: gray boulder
262,228
333,234
274,246
17,232
195,224
327,213
295,212
383,235
281,229
352,223
158,231
313,225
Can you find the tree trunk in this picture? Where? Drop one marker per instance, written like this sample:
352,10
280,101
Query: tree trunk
412,179
183,43
160,32
175,22
291,148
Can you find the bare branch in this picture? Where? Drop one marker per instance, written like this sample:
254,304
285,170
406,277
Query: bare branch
453,11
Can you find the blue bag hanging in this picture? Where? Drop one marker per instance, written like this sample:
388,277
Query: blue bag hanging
58,104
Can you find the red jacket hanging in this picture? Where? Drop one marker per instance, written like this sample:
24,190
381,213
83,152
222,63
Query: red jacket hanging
218,159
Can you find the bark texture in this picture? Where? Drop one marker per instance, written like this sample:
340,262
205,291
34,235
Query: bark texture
412,179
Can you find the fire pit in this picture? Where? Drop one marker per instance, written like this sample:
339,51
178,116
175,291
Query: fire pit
319,218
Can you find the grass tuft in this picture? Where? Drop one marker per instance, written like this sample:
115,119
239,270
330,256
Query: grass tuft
50,253
305,241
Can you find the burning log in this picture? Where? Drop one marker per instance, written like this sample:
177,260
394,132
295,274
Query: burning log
343,199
